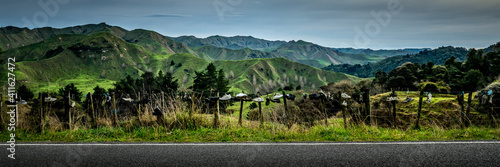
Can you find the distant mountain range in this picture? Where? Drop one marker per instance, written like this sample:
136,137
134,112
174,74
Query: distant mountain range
99,54
381,52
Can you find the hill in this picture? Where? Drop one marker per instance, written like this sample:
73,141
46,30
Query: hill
381,52
103,58
217,53
319,56
235,42
12,37
437,56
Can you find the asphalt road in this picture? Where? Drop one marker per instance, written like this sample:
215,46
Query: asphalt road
485,153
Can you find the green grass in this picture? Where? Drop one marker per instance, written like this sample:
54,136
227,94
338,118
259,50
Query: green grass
267,133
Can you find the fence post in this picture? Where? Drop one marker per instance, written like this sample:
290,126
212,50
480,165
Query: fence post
286,110
216,114
115,112
419,109
240,121
462,113
192,105
367,106
40,96
1,112
261,117
94,121
343,110
394,109
469,100
66,108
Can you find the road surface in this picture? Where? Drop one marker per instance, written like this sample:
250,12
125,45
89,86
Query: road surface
466,153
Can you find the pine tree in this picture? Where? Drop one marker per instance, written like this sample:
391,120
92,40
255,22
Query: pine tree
222,82
25,93
76,95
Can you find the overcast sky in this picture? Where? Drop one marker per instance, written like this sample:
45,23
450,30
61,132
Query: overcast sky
330,23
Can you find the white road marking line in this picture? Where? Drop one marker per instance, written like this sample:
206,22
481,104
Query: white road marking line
252,144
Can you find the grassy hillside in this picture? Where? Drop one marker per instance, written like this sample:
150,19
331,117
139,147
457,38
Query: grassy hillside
103,58
12,37
216,53
306,52
236,42
97,59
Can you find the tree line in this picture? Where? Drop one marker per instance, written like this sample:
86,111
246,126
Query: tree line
476,72
210,79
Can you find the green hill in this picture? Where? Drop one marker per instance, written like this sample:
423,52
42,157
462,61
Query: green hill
216,53
235,43
319,56
12,37
102,58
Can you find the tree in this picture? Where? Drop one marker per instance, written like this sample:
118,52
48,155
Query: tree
76,95
473,80
147,82
380,78
289,87
222,82
210,80
473,60
167,82
211,77
98,91
25,93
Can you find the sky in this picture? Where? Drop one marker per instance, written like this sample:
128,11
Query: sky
376,24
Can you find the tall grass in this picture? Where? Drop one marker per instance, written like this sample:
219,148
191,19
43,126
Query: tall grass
177,125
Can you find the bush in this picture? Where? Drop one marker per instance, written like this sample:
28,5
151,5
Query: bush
253,106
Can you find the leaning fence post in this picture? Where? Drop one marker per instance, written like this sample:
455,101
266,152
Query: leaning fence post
419,109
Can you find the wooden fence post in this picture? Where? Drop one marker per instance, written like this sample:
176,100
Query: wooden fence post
192,105
286,110
66,108
115,116
94,121
1,112
462,113
394,109
216,114
469,100
367,106
40,97
240,121
343,110
419,109
261,117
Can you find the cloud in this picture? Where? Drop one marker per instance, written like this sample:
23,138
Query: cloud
166,15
